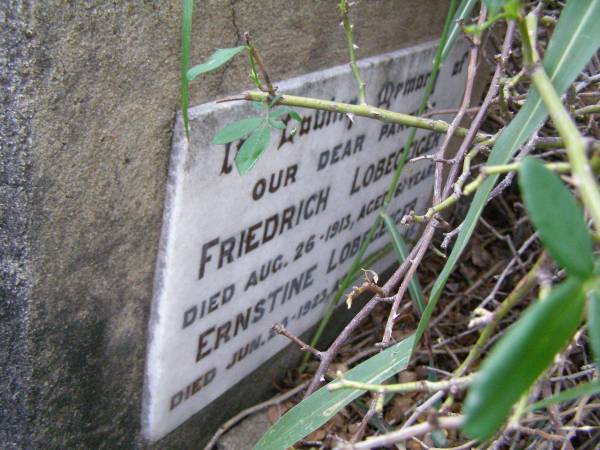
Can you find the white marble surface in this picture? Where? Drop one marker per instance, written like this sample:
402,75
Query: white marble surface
210,305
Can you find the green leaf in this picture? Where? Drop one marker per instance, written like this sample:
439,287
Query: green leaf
321,406
274,114
510,7
251,150
593,320
589,388
402,253
260,106
295,116
462,14
558,218
494,6
214,61
277,124
574,41
186,43
284,110
237,130
521,356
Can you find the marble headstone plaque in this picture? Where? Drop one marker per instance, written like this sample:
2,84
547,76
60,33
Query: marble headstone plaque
240,253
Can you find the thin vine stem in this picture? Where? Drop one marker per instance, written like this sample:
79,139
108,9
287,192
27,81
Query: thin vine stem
349,30
371,112
347,280
575,144
411,386
470,188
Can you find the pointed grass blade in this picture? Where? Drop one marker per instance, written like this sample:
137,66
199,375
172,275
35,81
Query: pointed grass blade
593,320
214,61
521,356
510,7
589,388
186,43
463,12
557,217
346,281
321,406
402,253
575,39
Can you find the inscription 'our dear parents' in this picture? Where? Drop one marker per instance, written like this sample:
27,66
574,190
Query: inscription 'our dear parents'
239,254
